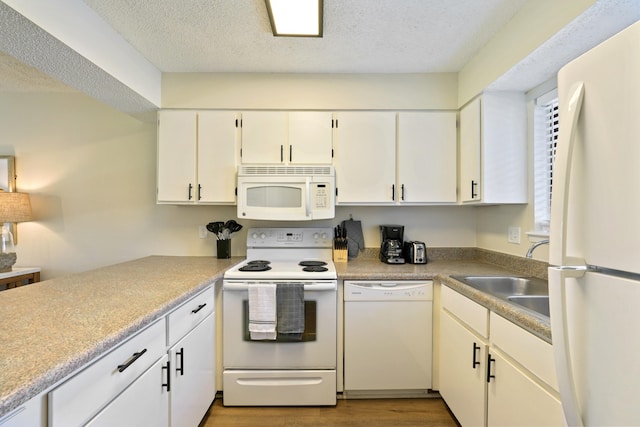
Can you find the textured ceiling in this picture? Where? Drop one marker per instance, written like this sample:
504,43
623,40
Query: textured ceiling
360,36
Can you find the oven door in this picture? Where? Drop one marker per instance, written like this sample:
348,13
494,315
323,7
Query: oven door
316,350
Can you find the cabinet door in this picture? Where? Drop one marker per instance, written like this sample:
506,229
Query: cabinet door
470,139
29,414
176,156
143,403
193,378
366,158
264,136
516,400
427,161
310,137
217,154
462,371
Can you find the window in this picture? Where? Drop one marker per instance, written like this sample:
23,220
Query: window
545,140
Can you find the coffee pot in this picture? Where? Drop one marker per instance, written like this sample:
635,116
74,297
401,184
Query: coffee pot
391,248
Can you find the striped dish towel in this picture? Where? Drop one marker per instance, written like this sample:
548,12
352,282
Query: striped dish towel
262,312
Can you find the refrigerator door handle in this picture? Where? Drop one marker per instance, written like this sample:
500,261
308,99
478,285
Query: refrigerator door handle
562,176
561,345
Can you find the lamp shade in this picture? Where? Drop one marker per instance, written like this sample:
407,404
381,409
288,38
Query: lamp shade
14,207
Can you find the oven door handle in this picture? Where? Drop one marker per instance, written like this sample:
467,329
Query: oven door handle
318,287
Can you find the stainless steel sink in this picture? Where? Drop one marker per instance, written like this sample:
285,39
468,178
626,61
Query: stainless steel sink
537,303
503,286
528,292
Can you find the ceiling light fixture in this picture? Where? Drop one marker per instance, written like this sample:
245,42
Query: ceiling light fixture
295,18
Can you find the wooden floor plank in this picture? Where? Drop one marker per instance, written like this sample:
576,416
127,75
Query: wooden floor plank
350,413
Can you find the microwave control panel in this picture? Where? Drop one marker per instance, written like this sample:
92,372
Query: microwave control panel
320,196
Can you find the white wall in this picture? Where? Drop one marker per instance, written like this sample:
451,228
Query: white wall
90,171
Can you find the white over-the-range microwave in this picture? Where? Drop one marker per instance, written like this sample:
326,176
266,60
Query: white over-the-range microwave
286,192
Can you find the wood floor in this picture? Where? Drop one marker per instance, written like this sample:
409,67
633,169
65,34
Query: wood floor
365,413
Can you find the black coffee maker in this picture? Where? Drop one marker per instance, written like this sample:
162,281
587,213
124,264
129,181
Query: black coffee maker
392,244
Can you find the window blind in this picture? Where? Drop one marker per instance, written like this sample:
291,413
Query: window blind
547,126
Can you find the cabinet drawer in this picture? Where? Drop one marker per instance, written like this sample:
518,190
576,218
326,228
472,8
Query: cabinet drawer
83,395
188,315
471,313
530,351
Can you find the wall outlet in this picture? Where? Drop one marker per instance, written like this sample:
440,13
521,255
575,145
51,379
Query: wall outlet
514,235
204,233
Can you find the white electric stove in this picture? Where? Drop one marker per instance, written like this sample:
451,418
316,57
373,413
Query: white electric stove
282,371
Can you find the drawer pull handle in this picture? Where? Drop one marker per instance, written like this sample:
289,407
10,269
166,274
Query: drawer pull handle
168,368
181,368
475,349
133,358
200,307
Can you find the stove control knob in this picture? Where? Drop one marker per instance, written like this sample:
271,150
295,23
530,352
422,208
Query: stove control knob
263,236
315,236
324,236
254,235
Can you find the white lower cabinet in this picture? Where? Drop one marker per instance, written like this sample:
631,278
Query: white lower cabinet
463,357
143,404
80,398
516,399
191,341
493,372
162,376
523,388
462,371
32,413
193,377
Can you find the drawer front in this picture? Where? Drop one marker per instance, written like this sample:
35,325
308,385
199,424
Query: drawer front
471,313
530,351
83,395
189,315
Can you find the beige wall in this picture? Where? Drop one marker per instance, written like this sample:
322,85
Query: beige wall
532,26
310,91
91,174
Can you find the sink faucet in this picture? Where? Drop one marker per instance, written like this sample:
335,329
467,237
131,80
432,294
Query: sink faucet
534,245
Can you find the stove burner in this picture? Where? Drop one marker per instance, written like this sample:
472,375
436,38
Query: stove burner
256,265
312,263
258,262
315,268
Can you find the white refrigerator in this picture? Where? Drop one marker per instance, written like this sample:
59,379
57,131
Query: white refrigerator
594,274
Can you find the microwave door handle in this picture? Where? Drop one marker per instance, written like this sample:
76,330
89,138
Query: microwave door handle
308,198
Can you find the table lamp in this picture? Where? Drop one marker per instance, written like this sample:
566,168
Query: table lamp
14,207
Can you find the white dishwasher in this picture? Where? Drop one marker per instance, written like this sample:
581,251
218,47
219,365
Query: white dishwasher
387,337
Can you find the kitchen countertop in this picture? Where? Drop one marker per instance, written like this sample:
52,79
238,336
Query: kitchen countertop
52,328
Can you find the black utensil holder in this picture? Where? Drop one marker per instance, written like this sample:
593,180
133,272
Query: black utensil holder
224,248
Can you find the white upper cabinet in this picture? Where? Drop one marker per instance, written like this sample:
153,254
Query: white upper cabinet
177,132
310,137
218,152
365,158
378,162
197,157
264,136
427,148
278,137
493,149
